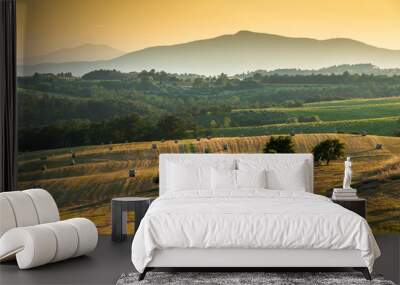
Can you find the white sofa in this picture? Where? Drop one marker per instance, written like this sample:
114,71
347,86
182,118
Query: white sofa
31,230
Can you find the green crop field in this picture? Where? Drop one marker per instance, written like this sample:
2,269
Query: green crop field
354,109
380,126
356,102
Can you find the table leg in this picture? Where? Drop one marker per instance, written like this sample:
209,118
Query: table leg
118,222
124,223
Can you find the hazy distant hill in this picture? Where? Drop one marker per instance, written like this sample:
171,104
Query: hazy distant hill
237,53
336,69
86,52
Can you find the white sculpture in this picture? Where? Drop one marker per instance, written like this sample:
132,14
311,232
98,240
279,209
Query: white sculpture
347,174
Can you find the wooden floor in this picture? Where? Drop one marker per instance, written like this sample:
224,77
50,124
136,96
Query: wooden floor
111,259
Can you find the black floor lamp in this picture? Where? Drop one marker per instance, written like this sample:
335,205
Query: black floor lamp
8,100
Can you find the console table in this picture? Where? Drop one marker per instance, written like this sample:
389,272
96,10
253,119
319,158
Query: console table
119,209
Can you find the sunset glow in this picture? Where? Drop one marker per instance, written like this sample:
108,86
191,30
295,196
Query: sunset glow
128,25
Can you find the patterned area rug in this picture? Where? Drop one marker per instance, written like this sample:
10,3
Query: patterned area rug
231,278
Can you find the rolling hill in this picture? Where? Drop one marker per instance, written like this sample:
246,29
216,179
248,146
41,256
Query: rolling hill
234,54
84,185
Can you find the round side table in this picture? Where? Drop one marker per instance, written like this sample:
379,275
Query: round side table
119,209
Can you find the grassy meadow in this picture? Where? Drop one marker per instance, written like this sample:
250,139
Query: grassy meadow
84,179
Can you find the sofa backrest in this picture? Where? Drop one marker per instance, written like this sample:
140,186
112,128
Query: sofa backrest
283,161
26,208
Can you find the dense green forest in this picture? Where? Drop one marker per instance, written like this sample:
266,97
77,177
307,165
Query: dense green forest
106,106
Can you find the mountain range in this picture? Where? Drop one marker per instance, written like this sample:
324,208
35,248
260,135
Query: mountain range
233,54
85,52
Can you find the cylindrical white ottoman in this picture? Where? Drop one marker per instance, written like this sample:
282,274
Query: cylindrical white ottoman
37,245
31,231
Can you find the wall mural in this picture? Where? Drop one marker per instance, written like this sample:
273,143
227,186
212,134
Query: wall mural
104,87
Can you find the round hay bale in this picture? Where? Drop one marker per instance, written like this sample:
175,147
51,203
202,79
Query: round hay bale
132,172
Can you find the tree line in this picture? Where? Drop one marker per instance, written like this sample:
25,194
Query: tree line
117,130
103,94
59,110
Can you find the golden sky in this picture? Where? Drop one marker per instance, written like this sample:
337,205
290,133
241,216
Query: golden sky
47,25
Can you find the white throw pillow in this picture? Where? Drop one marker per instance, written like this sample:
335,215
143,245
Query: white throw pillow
251,179
282,174
223,179
293,180
185,178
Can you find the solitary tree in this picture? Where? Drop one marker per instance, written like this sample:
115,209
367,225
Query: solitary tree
213,124
227,122
328,150
281,144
